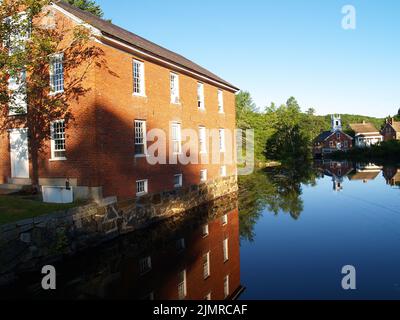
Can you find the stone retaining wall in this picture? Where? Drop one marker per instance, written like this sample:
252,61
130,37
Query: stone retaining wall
27,244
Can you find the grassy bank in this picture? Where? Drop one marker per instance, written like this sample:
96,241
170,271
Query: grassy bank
15,207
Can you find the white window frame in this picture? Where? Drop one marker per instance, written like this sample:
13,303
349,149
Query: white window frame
178,139
226,286
223,171
225,245
13,44
145,187
205,230
53,141
224,219
200,96
206,266
138,74
221,101
145,265
18,96
174,87
202,140
182,286
203,175
222,142
57,64
143,131
180,177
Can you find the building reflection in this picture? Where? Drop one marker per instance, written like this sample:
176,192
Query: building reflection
193,256
337,170
392,175
365,172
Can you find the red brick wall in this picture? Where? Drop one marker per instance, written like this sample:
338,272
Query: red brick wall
343,137
100,141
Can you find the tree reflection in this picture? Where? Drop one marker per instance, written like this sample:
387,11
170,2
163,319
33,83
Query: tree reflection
276,190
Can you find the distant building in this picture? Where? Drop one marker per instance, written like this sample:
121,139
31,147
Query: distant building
391,130
333,140
365,172
366,134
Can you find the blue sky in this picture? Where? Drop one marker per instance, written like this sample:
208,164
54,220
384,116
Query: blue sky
281,48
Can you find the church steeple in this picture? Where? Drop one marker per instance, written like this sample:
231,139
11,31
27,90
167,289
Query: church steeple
336,123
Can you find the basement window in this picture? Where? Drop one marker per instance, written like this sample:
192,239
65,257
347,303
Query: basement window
141,187
144,265
178,180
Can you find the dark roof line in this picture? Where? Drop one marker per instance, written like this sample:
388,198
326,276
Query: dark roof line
113,31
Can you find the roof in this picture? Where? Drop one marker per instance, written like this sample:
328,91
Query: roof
323,136
113,31
360,128
364,175
396,125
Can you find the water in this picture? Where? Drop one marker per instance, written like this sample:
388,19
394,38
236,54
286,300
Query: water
287,237
312,223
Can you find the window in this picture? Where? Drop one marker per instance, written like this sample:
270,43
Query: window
226,252
226,286
58,140
223,171
145,265
203,175
205,230
338,135
224,219
20,32
18,98
346,144
57,73
206,265
178,180
220,101
222,140
140,138
208,296
331,144
138,78
141,187
176,138
182,288
202,140
174,82
200,96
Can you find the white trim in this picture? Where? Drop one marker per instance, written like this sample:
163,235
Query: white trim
98,32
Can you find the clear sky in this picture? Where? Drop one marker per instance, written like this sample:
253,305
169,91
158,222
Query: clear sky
281,48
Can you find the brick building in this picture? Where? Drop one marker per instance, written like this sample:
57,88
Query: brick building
391,130
103,151
333,140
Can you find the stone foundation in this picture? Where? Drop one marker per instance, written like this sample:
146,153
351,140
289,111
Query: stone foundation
33,242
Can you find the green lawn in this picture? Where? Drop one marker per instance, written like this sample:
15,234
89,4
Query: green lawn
15,207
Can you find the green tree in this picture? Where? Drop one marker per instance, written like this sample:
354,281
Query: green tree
88,5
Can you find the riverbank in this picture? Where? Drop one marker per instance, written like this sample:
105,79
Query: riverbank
386,152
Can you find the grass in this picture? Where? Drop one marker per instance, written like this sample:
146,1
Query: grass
18,207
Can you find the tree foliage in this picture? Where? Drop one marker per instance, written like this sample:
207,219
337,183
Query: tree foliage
31,40
88,5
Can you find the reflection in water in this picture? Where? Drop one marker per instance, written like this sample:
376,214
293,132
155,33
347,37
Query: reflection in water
194,256
277,189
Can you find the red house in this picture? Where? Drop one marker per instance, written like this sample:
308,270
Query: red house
333,140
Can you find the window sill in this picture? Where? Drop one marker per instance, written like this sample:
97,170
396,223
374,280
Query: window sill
176,103
141,194
53,94
17,114
141,155
57,159
139,95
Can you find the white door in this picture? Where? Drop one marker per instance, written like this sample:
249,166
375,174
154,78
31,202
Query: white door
19,153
